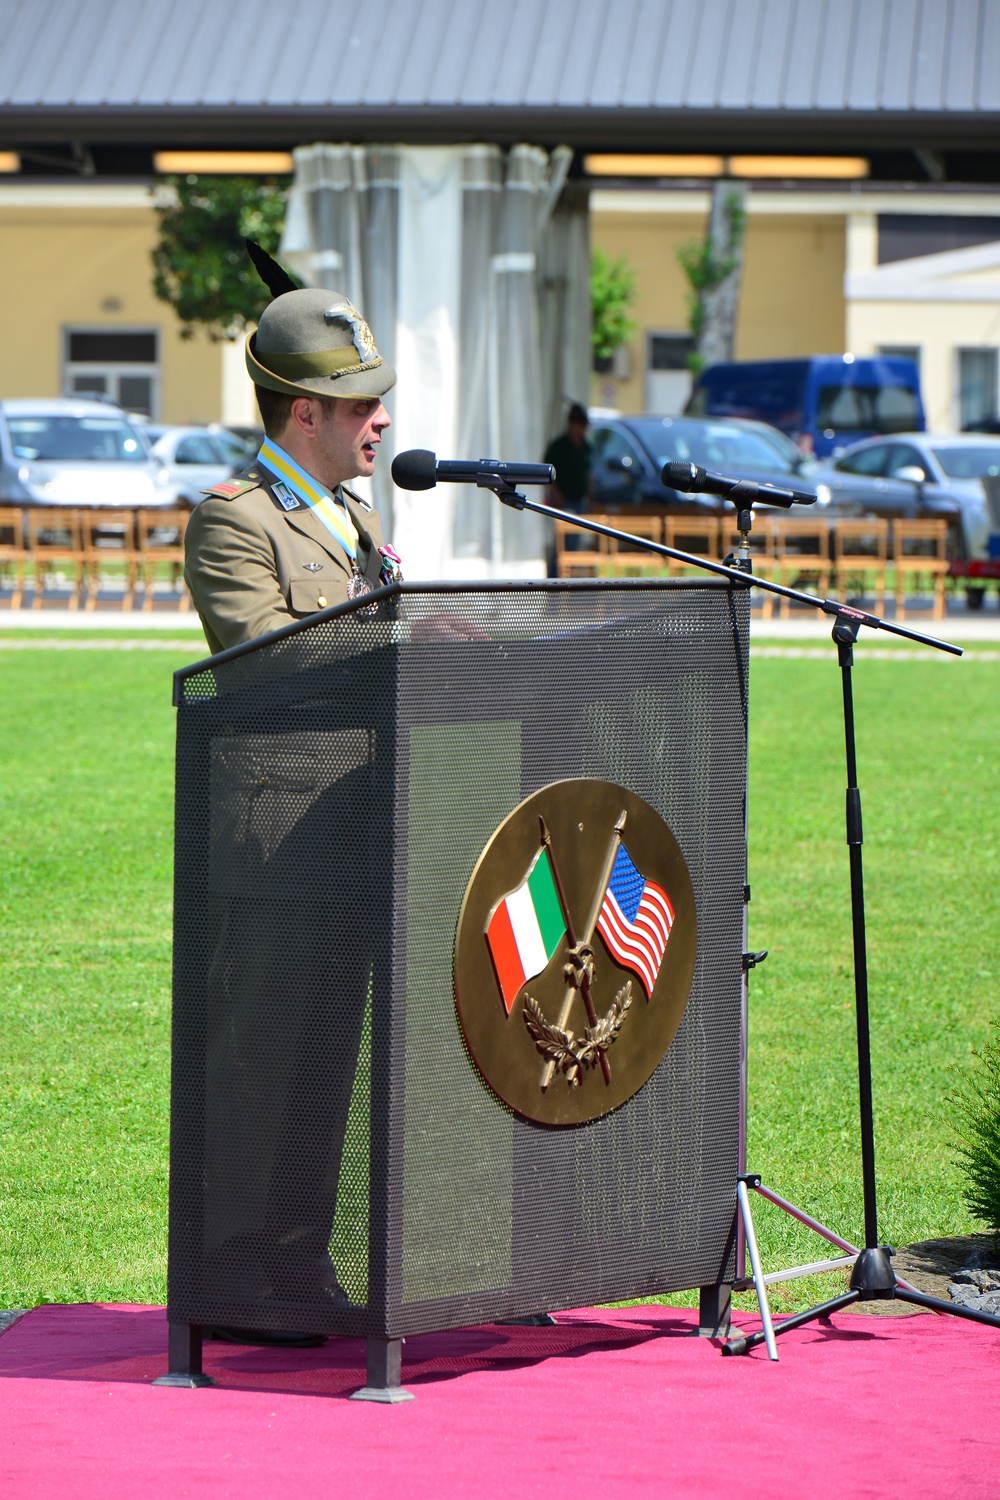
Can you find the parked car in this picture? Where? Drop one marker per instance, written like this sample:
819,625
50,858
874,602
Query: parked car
917,475
629,453
69,452
822,403
196,458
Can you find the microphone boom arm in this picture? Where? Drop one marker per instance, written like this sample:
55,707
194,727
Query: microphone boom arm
517,501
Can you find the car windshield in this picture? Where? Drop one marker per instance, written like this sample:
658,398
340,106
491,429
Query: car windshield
969,463
96,439
868,408
713,445
233,450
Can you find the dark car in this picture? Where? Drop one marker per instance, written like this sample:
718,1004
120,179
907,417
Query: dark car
629,453
916,476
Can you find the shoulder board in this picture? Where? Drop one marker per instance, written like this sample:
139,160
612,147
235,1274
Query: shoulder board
365,504
231,488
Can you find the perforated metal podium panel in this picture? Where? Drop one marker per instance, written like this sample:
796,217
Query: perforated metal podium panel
337,1162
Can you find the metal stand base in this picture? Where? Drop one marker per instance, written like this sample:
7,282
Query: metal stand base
385,1369
184,1358
872,1280
767,1332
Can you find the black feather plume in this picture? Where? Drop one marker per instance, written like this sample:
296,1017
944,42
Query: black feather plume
271,274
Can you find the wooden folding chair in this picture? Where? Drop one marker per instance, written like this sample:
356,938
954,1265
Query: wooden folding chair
56,545
762,544
623,557
160,544
13,553
920,561
698,535
581,553
109,553
860,553
801,555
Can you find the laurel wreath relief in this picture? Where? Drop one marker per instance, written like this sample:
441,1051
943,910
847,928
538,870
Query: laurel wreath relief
572,1054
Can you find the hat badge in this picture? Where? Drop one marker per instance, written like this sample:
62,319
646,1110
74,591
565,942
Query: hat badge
361,334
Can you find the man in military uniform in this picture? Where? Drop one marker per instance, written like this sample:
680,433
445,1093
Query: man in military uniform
293,820
286,538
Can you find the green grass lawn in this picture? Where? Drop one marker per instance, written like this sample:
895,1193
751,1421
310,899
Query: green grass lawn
86,746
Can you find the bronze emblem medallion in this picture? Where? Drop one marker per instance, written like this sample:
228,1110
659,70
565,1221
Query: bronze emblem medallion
575,951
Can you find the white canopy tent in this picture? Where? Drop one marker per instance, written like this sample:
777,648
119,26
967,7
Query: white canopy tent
472,267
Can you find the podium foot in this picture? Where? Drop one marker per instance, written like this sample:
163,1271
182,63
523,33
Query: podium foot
184,1358
714,1311
385,1369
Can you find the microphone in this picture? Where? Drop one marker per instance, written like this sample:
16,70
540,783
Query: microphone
744,492
418,469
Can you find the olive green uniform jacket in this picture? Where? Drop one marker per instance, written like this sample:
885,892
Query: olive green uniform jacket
252,566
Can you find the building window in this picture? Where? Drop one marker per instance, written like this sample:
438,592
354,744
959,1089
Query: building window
901,351
977,386
120,363
902,236
668,377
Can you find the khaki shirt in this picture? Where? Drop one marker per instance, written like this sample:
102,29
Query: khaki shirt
252,566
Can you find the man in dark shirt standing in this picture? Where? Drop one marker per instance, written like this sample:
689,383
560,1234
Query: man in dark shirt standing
571,453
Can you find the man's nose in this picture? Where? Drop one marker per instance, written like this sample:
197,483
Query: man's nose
381,419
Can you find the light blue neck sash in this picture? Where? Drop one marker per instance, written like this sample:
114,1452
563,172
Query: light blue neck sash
311,493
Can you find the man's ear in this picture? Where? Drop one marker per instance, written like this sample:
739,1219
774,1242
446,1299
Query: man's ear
303,415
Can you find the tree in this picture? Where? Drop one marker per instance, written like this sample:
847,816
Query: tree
714,270
200,261
612,293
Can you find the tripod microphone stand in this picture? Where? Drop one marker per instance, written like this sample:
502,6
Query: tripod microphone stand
872,1276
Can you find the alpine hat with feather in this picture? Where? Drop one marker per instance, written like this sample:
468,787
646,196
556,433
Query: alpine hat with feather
311,342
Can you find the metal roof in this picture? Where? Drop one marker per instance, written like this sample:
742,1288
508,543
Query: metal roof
646,73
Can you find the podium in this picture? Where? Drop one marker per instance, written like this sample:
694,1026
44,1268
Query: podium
337,1163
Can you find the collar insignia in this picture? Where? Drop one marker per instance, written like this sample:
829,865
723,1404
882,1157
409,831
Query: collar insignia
285,498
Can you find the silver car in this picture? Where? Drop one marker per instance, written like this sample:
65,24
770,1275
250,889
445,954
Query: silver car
70,452
917,475
196,458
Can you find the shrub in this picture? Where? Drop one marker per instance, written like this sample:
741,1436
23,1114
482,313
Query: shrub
612,293
977,1110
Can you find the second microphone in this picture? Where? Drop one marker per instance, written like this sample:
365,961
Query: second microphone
419,469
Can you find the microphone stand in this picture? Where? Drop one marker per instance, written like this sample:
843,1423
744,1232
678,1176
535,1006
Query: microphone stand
872,1276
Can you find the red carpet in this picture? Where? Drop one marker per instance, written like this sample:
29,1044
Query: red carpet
607,1404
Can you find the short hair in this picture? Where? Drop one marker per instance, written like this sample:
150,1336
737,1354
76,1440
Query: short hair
275,407
578,413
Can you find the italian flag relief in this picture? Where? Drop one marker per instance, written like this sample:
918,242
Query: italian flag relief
525,929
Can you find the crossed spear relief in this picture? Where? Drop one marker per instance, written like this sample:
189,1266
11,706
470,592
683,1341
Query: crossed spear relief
563,1050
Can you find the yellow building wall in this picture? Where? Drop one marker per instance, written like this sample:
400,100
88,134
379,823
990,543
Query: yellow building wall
938,330
791,301
66,265
649,242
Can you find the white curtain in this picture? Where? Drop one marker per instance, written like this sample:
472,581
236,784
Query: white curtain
473,273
